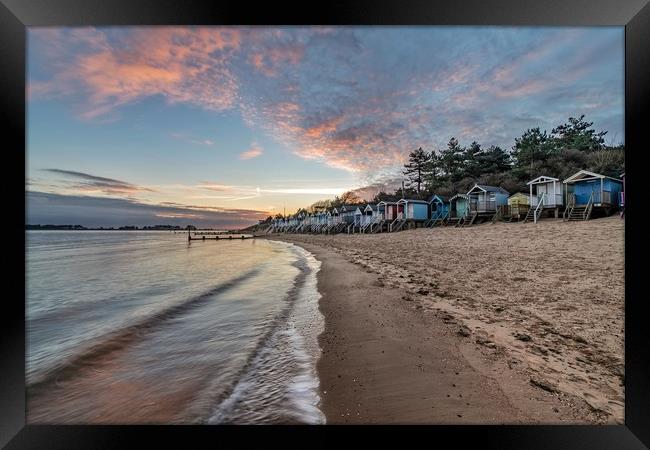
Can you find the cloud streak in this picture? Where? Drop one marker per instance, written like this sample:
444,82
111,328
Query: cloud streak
253,152
192,140
91,183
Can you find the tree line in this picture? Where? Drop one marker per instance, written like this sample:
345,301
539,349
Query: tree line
569,147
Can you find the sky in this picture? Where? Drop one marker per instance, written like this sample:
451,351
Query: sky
222,126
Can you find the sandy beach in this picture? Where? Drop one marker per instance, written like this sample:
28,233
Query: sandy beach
503,323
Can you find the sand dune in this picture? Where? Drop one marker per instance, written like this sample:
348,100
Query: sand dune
546,298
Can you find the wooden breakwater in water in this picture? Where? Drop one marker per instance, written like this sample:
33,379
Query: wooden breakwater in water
219,237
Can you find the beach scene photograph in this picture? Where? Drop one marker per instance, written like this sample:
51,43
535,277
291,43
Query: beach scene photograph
313,225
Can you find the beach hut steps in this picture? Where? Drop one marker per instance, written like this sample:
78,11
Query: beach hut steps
579,213
530,215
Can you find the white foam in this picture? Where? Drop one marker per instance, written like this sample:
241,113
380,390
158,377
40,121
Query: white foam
298,334
306,324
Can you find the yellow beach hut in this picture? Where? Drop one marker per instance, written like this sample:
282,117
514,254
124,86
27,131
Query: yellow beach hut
518,205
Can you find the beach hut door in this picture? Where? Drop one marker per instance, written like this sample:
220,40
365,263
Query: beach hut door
473,204
542,189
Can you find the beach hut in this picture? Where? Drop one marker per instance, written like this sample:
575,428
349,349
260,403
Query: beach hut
484,199
518,205
302,222
358,218
317,223
358,214
369,213
458,208
347,214
292,223
413,209
370,217
328,219
622,204
335,220
545,194
486,202
588,192
410,213
324,218
387,210
386,214
438,209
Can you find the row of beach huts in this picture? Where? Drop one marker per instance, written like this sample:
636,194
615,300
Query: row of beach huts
576,198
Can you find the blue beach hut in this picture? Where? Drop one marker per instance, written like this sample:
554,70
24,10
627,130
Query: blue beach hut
347,213
438,207
458,207
586,192
623,196
413,209
484,199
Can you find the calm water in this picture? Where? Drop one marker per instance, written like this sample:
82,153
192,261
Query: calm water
142,327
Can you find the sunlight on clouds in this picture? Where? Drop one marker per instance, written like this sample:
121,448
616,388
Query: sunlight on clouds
253,152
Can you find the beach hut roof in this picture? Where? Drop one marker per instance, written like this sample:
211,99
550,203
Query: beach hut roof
370,206
542,179
622,175
518,194
384,202
349,207
586,175
441,198
412,200
465,196
486,188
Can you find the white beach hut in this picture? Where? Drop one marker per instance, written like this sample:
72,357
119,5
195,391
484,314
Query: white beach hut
545,193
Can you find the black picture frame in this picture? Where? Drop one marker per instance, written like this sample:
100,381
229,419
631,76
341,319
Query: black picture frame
634,15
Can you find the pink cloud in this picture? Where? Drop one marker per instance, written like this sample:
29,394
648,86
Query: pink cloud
271,60
323,128
251,153
194,66
181,64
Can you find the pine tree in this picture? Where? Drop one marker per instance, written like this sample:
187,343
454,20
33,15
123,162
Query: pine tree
451,161
416,168
433,177
472,161
578,134
531,151
493,160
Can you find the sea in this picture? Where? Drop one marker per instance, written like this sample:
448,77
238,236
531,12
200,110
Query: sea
127,327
